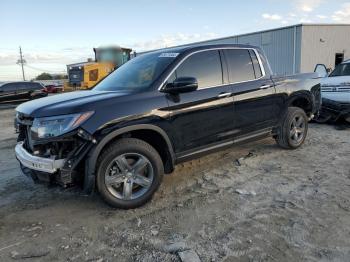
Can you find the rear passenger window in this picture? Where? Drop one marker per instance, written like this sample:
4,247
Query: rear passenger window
240,65
256,65
29,86
22,86
205,66
38,86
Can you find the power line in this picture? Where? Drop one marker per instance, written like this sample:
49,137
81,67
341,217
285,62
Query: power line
21,62
45,70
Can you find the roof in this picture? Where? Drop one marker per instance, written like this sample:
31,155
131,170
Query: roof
81,64
15,82
197,46
18,82
115,47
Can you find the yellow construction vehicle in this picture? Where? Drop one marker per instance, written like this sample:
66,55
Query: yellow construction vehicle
86,74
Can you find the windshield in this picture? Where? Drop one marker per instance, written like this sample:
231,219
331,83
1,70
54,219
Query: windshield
137,74
341,70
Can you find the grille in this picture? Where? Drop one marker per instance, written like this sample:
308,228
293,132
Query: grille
24,135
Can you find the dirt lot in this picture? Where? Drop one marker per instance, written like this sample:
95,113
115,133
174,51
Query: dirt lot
295,206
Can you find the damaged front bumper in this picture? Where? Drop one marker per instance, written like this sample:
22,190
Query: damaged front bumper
58,160
55,159
334,110
47,165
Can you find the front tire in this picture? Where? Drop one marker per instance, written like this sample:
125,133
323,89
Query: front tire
293,129
129,172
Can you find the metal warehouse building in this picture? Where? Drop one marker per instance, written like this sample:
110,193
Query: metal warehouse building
298,48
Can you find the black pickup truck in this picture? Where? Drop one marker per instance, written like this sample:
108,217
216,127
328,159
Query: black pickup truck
158,110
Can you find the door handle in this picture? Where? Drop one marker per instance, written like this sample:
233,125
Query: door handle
224,95
265,86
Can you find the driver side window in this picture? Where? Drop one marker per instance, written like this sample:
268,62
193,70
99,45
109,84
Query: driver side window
204,66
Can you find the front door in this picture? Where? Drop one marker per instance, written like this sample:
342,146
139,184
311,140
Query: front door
203,117
254,93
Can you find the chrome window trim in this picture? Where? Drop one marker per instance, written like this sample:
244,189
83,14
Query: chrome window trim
263,72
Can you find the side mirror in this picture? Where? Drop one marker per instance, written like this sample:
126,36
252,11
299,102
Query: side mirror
321,70
181,85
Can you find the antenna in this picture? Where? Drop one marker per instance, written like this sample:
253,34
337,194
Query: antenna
21,62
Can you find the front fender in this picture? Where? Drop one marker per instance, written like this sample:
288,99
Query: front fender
90,164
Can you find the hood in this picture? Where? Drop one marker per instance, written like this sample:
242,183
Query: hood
336,88
336,81
68,103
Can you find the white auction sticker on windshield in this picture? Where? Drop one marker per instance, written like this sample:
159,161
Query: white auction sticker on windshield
168,54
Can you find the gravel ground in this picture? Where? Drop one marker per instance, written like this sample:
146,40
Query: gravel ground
255,202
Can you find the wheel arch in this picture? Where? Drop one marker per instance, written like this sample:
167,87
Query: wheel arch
136,131
303,100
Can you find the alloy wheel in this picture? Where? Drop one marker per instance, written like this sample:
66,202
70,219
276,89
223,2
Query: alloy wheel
129,176
297,129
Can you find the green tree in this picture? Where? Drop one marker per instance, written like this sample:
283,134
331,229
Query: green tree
44,76
59,76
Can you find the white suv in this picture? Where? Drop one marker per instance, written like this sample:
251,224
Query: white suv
335,91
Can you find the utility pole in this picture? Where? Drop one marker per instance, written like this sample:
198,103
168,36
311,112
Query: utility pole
21,62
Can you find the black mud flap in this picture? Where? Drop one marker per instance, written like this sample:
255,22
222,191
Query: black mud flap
89,179
37,176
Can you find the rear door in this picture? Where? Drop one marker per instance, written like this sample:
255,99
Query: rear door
35,90
253,92
205,116
24,90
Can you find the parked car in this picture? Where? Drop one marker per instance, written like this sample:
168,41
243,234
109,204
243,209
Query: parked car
335,91
158,110
21,91
52,88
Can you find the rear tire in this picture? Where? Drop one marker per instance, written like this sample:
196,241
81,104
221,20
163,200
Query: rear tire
129,172
293,129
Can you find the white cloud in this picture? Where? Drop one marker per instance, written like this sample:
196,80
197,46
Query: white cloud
322,16
53,61
67,55
343,14
307,5
274,17
303,11
305,21
171,40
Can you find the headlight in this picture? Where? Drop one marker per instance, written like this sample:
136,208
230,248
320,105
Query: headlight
47,127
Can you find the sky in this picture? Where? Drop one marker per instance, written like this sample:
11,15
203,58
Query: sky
55,33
